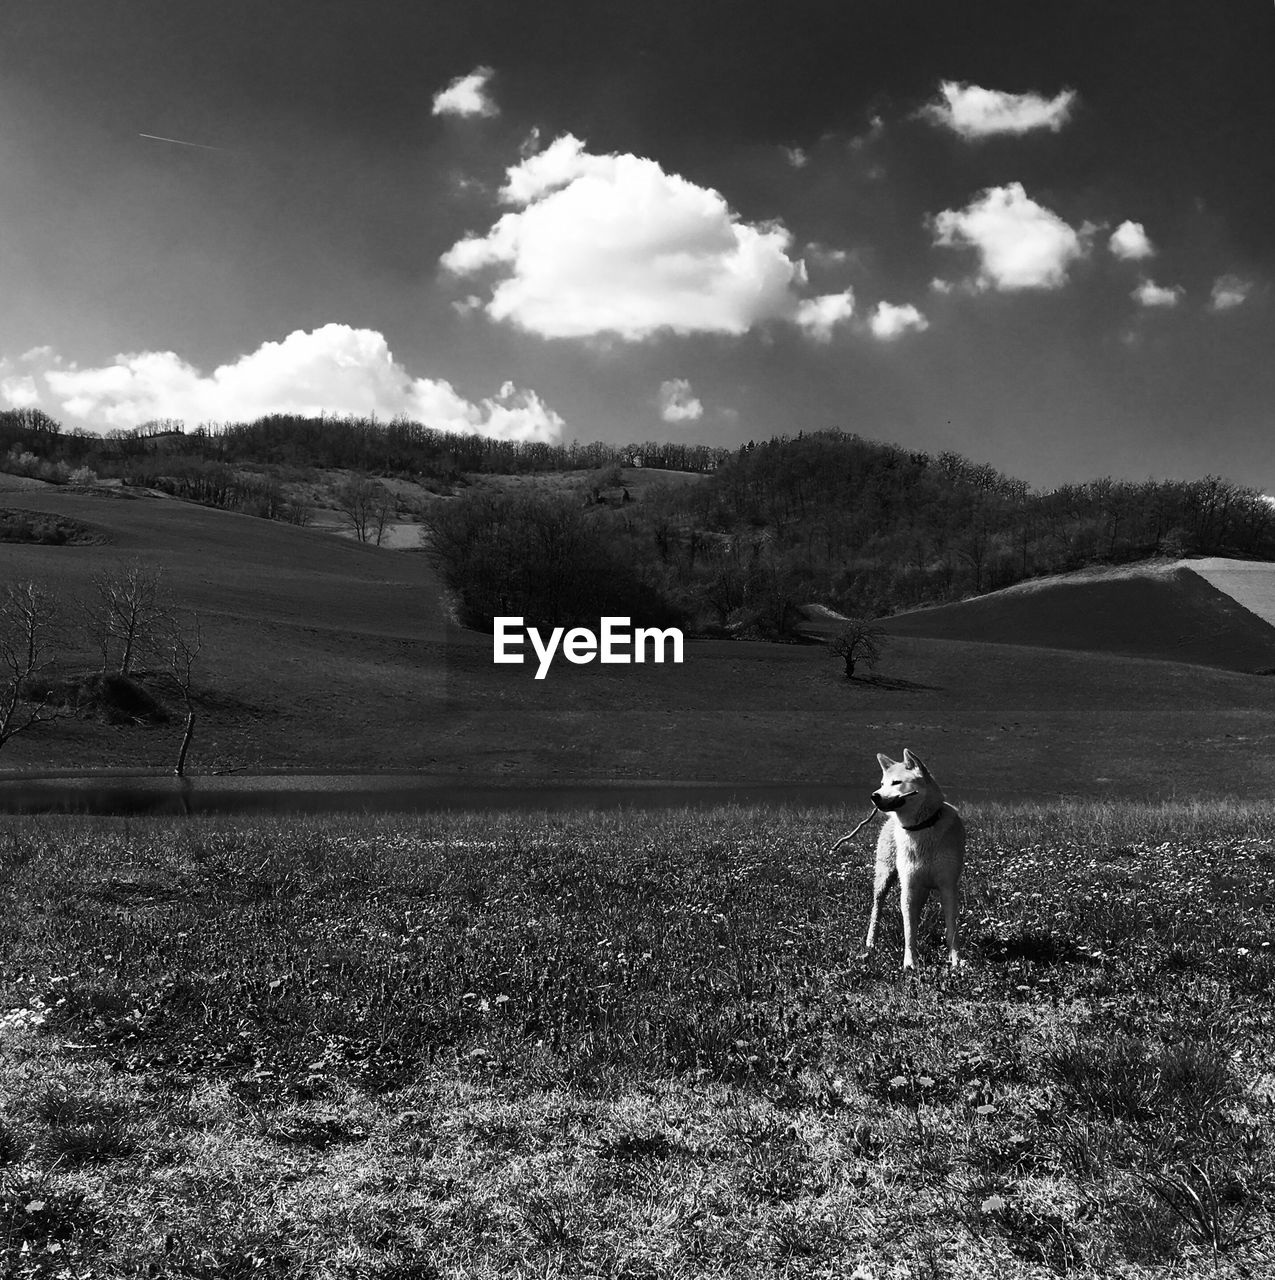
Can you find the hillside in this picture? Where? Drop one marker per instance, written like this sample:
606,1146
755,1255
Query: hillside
1182,611
322,654
731,541
313,645
1248,583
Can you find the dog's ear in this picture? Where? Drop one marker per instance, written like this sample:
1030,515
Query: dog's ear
912,761
885,762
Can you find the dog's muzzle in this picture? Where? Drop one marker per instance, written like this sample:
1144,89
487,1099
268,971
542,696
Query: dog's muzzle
887,804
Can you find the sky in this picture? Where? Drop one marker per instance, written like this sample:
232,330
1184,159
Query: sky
1037,234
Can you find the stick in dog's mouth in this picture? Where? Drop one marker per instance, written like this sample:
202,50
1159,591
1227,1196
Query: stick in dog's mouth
888,805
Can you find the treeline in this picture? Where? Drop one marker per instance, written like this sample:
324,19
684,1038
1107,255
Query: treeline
871,529
399,447
219,484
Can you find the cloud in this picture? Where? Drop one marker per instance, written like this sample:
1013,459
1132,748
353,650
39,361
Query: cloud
889,321
1229,291
796,157
823,255
819,316
611,244
876,127
1129,241
467,306
973,112
19,391
333,370
1150,294
467,96
1021,244
678,403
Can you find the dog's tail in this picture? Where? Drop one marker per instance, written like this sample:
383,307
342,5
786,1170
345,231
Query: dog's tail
850,835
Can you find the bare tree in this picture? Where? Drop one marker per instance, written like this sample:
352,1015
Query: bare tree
367,505
180,645
124,614
858,641
27,619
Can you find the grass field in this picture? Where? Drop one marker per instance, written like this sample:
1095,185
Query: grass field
634,1045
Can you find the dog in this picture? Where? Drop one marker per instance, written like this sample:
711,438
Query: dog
922,845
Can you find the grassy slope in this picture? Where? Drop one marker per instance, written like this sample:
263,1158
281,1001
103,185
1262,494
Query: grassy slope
325,654
633,1045
314,646
1169,613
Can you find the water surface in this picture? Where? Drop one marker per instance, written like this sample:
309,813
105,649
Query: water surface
384,793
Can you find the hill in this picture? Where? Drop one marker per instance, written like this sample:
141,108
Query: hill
322,654
730,540
1175,611
313,645
1248,583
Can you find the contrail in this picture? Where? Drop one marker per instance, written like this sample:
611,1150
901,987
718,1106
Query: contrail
203,146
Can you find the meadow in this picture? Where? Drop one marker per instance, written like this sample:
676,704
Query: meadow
634,1044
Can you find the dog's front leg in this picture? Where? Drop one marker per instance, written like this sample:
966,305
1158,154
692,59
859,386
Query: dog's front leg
886,874
950,895
911,900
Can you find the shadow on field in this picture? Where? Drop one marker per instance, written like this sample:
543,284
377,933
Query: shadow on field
895,683
1038,947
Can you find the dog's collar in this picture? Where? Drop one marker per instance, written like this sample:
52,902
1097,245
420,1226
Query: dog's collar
929,822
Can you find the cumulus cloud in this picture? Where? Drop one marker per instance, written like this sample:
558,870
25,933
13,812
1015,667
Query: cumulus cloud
678,403
1150,294
1229,291
819,316
1021,244
611,244
889,321
19,391
1130,241
333,369
973,112
796,157
467,96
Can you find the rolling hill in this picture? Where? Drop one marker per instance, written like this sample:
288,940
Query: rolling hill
1213,612
322,654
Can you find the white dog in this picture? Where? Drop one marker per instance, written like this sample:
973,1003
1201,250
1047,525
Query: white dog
922,845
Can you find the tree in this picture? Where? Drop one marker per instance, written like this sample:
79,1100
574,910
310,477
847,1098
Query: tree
180,646
124,614
367,505
858,641
27,619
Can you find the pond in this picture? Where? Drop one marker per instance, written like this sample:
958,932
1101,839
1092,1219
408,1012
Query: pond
121,794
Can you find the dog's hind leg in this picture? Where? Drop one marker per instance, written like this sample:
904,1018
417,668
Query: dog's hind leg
886,874
950,895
